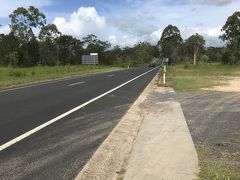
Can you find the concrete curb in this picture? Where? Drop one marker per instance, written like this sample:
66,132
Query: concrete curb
111,158
164,148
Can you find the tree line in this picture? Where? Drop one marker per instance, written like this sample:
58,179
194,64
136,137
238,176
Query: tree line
21,47
176,50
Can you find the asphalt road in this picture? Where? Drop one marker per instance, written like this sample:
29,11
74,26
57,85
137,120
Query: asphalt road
60,150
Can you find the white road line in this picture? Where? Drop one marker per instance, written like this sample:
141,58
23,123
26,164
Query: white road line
25,135
111,75
74,84
39,84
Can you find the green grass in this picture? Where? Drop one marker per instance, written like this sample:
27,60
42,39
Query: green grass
16,76
192,78
222,167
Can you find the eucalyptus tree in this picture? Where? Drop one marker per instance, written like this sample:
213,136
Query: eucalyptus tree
9,54
49,48
195,44
231,34
93,45
70,50
171,42
23,23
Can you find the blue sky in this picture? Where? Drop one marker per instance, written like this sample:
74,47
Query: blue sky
126,22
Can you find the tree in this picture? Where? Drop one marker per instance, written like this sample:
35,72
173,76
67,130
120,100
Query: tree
9,54
171,42
70,50
194,44
231,31
22,23
49,50
94,45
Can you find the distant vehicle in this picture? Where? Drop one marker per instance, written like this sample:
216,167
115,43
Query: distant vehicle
152,65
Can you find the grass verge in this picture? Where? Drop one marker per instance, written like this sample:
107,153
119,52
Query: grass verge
218,162
191,78
16,76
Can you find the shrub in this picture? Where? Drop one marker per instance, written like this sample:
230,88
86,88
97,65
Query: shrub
17,73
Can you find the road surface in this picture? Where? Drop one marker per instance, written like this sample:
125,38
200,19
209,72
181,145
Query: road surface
46,130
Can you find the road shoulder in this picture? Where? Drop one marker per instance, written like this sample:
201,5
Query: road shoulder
151,141
164,148
111,158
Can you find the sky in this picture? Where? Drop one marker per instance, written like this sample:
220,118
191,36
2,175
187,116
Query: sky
127,22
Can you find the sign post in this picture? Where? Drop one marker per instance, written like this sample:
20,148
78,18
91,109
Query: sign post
166,60
164,74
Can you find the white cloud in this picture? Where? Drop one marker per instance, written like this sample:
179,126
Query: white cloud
214,2
81,23
130,40
8,6
210,34
4,29
156,35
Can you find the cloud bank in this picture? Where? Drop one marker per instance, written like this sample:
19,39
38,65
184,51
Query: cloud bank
215,2
81,23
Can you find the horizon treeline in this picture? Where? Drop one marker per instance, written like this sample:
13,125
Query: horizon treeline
22,48
193,48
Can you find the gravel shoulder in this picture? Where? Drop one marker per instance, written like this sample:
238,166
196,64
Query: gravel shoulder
213,117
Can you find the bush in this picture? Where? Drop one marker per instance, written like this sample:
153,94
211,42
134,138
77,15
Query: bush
17,73
186,66
229,58
205,58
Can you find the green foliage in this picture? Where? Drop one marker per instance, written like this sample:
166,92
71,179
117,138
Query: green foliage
22,48
13,76
23,20
69,50
231,34
17,73
22,23
194,45
215,54
191,78
212,168
170,43
228,57
205,58
141,54
49,48
9,52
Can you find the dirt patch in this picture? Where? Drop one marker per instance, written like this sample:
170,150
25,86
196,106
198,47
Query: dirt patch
231,84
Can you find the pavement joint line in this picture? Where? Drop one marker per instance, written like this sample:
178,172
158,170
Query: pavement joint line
74,84
38,128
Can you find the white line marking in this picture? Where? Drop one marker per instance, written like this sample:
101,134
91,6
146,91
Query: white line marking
111,75
25,135
39,84
74,84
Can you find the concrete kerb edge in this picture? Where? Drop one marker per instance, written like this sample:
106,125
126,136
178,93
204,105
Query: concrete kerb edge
111,158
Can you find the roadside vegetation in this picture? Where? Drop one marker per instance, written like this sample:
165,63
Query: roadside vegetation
188,77
190,67
14,76
26,57
220,161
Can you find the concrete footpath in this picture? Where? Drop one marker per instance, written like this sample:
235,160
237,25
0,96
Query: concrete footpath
164,148
151,142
